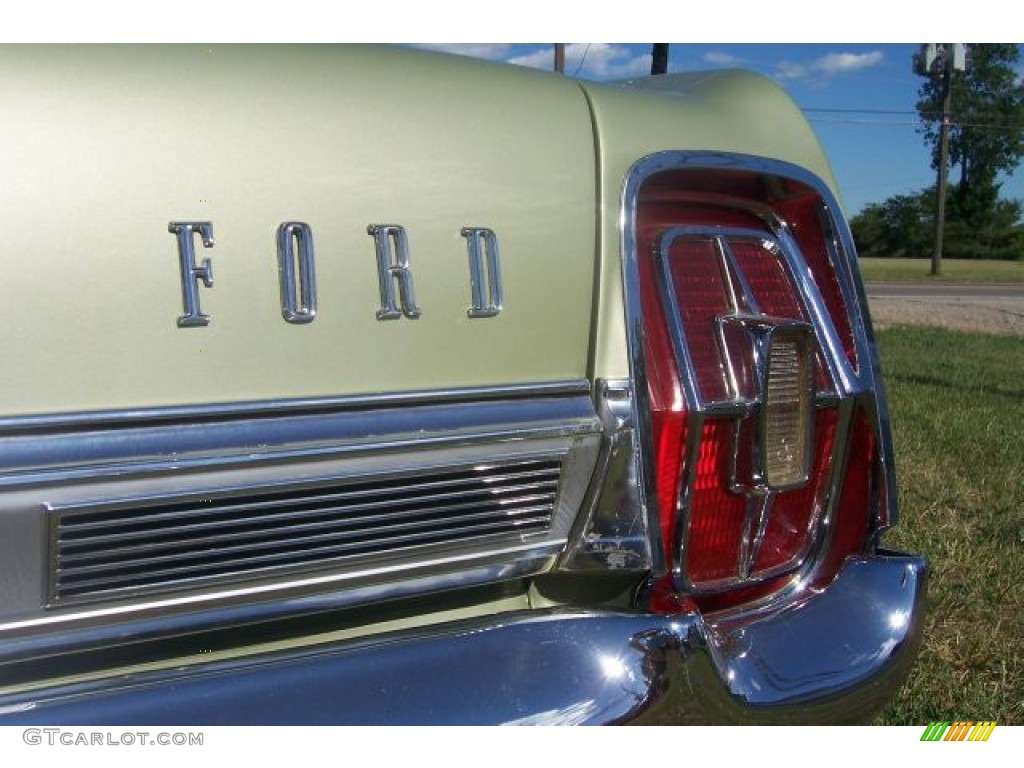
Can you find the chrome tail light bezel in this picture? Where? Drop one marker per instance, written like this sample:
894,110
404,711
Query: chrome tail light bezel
856,383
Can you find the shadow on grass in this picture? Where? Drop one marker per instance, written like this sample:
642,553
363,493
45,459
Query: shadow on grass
934,381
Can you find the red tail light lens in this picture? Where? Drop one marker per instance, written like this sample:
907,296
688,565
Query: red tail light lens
790,526
697,280
764,461
852,510
812,231
716,521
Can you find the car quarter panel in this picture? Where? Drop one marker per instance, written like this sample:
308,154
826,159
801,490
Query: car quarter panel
731,111
105,146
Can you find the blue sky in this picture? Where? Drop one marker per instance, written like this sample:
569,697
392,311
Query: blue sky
859,98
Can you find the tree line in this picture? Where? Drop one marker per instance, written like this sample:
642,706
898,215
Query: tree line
986,139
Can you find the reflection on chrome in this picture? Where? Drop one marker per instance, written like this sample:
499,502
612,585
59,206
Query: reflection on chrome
612,667
898,619
577,713
822,658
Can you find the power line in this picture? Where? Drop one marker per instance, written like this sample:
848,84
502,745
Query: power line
850,121
986,126
922,117
863,111
915,123
583,58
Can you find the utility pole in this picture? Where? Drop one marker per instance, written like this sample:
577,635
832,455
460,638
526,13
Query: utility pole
659,58
560,57
940,182
941,60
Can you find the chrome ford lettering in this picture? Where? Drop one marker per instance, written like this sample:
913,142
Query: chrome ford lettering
484,271
297,272
392,247
190,272
302,308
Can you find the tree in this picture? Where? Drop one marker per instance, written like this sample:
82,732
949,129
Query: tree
900,226
987,131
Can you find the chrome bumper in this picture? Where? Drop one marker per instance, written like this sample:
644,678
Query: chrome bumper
834,656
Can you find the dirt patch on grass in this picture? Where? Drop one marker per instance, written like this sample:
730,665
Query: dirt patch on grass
1004,317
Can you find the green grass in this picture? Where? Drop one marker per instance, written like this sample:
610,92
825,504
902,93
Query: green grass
953,270
957,407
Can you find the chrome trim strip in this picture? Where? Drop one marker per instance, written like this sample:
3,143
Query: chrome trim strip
612,532
824,328
844,255
421,478
11,425
692,394
54,448
833,486
109,550
87,628
99,584
759,505
177,448
89,469
742,300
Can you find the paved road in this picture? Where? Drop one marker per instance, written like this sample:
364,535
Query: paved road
987,308
946,291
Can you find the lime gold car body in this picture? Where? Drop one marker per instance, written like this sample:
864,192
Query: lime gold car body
330,394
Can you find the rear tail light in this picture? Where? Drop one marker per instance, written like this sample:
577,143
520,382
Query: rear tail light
762,428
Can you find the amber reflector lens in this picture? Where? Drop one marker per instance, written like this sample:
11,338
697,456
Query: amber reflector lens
787,409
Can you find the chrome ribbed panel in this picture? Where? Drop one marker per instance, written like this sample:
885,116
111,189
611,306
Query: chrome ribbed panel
106,551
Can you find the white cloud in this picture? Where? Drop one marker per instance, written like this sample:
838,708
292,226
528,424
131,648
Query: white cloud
543,58
827,66
836,63
790,70
722,59
596,61
495,51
